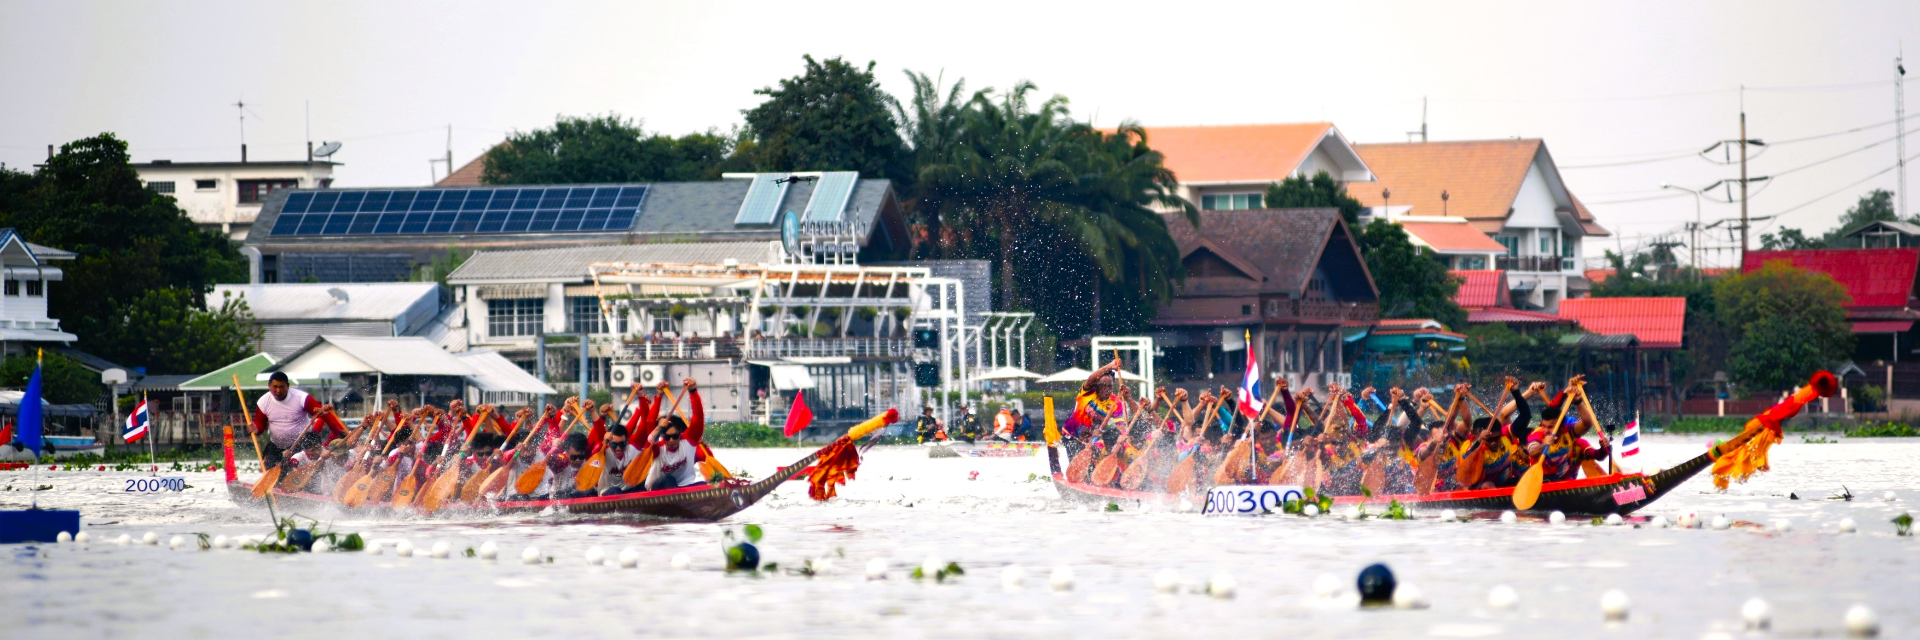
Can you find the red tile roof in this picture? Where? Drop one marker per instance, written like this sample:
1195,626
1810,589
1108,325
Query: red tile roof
1513,316
1451,236
468,175
1598,276
1873,277
1482,289
1659,323
1236,153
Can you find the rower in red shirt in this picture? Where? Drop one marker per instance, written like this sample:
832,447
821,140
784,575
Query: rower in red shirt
289,416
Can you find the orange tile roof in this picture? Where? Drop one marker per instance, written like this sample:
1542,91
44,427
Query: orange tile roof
1236,153
1480,177
468,175
1451,236
1659,323
1598,276
1482,289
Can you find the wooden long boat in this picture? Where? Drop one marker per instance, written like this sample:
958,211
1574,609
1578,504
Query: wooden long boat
1617,493
712,502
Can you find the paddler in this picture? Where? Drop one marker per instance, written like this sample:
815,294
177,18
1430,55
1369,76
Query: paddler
676,446
1092,406
1566,449
1448,442
290,417
927,427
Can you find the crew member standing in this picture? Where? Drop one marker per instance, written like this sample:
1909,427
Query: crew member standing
288,415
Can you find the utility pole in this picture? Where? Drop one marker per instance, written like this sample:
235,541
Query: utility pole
1743,175
1900,129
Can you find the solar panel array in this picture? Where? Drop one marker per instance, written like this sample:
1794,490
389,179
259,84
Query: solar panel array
830,196
763,199
462,211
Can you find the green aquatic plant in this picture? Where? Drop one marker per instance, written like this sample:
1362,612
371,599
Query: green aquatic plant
1903,524
1396,511
952,570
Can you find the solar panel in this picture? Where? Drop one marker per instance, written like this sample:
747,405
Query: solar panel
461,211
830,196
763,199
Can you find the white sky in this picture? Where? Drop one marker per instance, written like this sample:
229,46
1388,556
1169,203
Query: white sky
1600,82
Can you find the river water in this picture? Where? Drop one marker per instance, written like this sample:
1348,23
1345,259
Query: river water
986,515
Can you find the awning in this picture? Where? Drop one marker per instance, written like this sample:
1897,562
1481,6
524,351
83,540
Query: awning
249,369
495,373
788,377
36,335
1883,326
52,274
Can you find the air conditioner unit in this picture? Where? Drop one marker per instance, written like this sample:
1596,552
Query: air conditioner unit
622,375
646,374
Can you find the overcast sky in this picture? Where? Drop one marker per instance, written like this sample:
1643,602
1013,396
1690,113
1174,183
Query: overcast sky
1602,83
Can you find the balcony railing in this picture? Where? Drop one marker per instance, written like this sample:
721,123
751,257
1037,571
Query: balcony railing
1533,263
1320,311
763,348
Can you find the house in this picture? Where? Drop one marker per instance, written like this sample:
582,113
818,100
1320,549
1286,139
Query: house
292,314
1229,167
386,235
1885,234
28,274
228,196
1628,352
1388,352
1881,283
1484,295
1509,190
413,369
1293,279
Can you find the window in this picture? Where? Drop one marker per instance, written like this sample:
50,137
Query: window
206,185
160,187
1512,243
583,314
664,325
515,316
13,287
35,288
1232,201
1470,263
1546,244
1566,247
257,190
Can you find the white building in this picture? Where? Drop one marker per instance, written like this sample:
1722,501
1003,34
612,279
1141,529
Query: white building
23,309
227,195
292,315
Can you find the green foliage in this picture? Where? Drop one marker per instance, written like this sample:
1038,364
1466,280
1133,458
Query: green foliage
130,242
1884,430
62,380
1320,191
1903,524
1396,511
163,329
832,117
744,435
1112,508
1791,322
1866,397
1706,340
753,533
1703,424
440,266
1405,273
1789,239
1875,206
602,149
1496,344
952,570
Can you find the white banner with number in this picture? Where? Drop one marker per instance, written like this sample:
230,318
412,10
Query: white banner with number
1250,500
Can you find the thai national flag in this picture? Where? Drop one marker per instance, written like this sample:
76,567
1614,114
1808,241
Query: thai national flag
1250,401
1630,440
136,424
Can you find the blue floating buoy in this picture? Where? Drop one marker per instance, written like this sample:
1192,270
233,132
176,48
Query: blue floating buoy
1376,585
743,557
302,538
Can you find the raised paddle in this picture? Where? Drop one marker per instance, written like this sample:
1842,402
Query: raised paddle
529,480
1527,492
354,469
363,485
409,488
1589,467
591,472
263,486
445,484
636,471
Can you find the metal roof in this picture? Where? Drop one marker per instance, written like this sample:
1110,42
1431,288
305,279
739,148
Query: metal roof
569,264
390,356
1659,323
310,302
1872,277
495,373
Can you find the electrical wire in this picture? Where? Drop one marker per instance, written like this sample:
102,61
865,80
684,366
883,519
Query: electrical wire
1834,192
1777,174
1876,125
1624,163
1676,194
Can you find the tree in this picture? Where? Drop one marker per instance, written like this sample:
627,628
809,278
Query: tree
1876,206
1320,191
1790,322
1789,239
1409,276
163,330
62,380
130,241
601,149
832,117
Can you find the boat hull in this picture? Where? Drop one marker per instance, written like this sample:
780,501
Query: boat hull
1618,493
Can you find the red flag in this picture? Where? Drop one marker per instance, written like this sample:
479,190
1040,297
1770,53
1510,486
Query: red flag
799,416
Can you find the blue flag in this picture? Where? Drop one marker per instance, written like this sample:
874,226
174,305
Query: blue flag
32,418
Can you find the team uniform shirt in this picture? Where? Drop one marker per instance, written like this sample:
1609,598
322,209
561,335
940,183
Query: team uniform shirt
285,419
677,463
1089,412
1564,453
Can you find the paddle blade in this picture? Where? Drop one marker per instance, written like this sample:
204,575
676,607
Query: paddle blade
589,475
357,494
1136,473
496,482
636,472
472,490
1182,477
266,482
1078,467
1425,475
1105,472
1528,491
529,481
716,467
403,495
443,488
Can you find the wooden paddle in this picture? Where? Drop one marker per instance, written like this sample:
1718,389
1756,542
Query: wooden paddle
409,487
365,484
1527,492
529,480
302,474
636,471
1589,467
1136,473
445,484
1428,471
495,470
264,485
354,469
590,473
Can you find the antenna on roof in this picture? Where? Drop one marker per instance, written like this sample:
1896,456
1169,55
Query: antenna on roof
242,106
326,150
1423,122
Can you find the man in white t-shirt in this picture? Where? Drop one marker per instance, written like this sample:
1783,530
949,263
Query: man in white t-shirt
287,416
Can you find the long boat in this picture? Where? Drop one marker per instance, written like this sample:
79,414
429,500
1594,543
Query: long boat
1617,493
712,502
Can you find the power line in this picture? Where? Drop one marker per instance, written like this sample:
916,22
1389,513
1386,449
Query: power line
1834,192
1623,163
1646,199
1839,133
1777,174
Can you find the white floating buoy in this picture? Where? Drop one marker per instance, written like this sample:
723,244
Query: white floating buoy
1062,578
681,562
64,537
596,556
1447,515
1355,512
176,542
1407,596
1503,597
1757,613
1326,586
1721,523
1166,581
1509,517
1688,520
403,548
375,547
81,537
530,555
1888,496
489,550
1310,510
1222,586
123,540
1861,621
1614,520
220,541
1659,522
1013,577
1847,525
321,545
1556,518
150,539
932,565
876,568
1614,604
441,549
1783,525
629,558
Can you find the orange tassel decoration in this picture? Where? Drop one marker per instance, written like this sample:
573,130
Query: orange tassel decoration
1744,459
840,460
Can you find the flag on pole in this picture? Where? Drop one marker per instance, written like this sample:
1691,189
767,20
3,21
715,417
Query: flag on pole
799,416
32,418
1250,400
1630,440
136,427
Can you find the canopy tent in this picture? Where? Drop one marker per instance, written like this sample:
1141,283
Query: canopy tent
494,373
395,356
787,374
251,370
1011,373
1077,374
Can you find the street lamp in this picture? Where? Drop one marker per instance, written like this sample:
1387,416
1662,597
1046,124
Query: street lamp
1696,227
